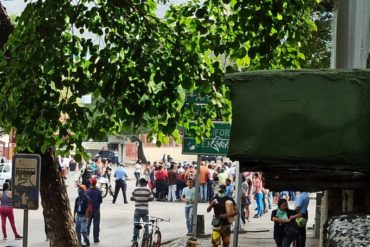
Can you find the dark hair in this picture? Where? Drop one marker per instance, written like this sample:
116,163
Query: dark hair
281,202
5,186
249,182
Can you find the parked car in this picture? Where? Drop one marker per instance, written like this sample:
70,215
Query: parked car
5,173
105,154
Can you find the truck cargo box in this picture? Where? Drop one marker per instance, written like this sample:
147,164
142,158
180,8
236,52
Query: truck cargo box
302,120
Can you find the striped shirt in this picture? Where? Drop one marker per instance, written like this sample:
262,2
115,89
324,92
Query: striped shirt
142,195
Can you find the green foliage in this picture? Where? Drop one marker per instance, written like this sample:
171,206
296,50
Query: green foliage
317,49
138,68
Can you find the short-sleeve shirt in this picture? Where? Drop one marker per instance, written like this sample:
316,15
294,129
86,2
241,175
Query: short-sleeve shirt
302,202
142,195
189,194
279,227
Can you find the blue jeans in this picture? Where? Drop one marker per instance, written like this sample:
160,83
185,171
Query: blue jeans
203,192
137,218
210,189
96,226
137,176
81,228
189,218
270,199
259,197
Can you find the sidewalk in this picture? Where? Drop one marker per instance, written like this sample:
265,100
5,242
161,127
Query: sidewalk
258,232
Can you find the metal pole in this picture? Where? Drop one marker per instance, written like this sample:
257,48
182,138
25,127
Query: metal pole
238,193
196,197
25,228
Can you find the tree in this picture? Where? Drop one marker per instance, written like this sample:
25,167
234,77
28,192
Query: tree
317,49
138,69
6,26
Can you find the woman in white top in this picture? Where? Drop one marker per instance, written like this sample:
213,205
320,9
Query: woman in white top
137,172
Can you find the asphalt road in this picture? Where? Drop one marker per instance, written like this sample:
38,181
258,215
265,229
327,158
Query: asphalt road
116,221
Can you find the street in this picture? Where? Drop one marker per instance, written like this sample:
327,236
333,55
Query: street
116,222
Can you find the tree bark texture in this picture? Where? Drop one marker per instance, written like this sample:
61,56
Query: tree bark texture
140,149
57,211
6,27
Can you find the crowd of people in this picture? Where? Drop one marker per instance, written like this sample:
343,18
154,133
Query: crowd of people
169,181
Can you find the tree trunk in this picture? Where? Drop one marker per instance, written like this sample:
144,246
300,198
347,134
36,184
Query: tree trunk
140,149
55,201
6,27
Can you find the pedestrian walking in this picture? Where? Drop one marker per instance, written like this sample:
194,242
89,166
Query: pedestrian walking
82,212
6,211
141,196
301,207
121,175
96,199
222,213
281,217
188,196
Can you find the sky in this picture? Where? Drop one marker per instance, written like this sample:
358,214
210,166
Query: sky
17,6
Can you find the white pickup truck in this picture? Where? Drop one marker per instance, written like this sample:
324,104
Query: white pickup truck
5,173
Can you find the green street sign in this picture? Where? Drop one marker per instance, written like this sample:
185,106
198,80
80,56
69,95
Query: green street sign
216,144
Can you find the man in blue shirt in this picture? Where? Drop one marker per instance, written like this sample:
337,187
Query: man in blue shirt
301,206
121,175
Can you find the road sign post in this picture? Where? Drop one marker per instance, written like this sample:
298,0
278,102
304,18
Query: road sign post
26,186
216,144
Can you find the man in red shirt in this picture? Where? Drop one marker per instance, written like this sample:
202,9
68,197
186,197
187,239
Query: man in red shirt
161,181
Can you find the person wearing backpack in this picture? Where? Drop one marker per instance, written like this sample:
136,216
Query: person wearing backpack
190,173
82,212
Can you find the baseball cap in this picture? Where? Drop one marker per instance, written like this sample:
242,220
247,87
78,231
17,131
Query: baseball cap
93,181
82,187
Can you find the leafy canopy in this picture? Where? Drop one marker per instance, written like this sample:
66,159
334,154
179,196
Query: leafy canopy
137,67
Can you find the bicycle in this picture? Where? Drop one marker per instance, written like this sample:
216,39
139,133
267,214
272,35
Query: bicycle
154,237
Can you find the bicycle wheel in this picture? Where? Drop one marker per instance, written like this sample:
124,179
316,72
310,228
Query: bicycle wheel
146,242
104,189
157,238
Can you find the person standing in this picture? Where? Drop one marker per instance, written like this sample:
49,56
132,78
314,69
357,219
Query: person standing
121,175
218,204
203,178
141,196
301,207
188,196
211,182
96,198
82,212
161,179
171,196
6,211
72,171
137,172
259,195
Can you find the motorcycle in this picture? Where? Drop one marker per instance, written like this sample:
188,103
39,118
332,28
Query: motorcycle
103,183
